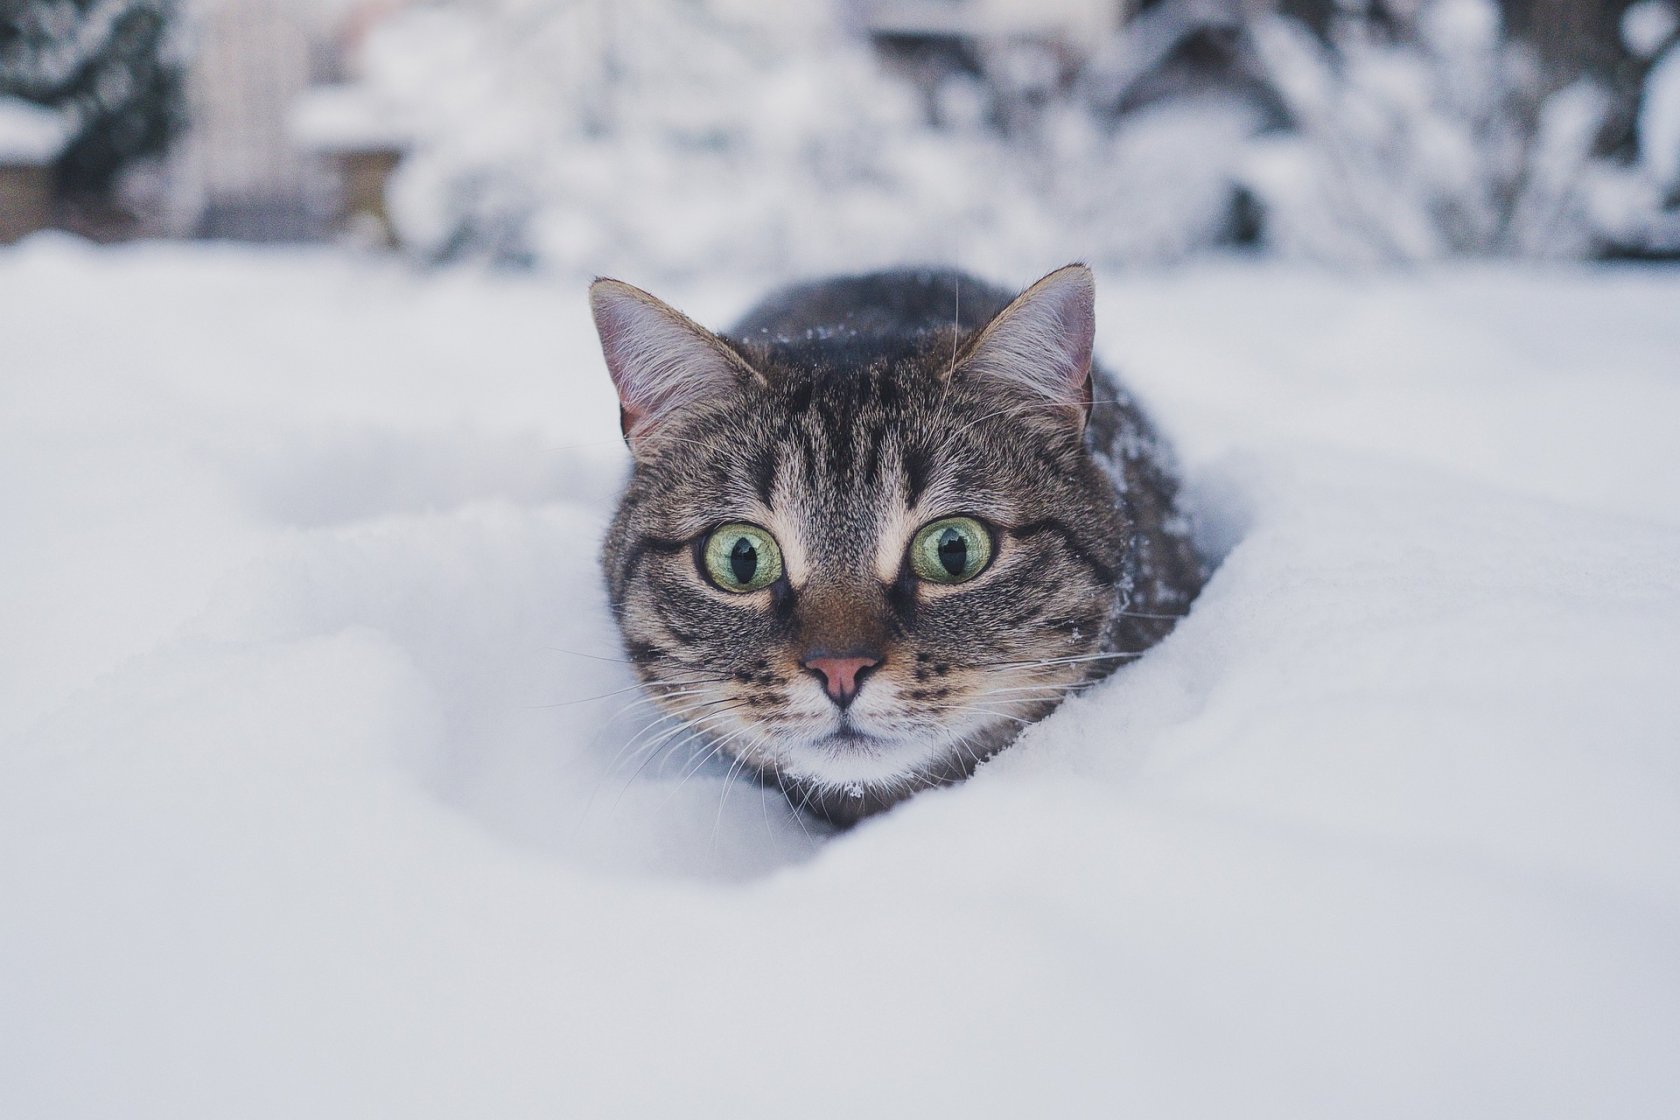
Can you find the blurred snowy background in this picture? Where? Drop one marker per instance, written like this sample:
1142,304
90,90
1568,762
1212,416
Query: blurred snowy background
325,793
681,137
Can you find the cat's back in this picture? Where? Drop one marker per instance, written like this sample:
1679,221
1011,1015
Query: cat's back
871,311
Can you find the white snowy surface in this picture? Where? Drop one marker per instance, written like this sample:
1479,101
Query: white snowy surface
301,813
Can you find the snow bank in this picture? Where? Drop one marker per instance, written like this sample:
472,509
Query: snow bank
305,808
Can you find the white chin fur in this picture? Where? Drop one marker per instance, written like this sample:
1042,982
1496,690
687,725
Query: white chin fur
875,761
843,762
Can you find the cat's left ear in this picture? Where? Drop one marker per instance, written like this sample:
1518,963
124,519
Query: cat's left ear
1041,343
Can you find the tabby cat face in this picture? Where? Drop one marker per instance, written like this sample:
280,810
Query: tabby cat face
859,576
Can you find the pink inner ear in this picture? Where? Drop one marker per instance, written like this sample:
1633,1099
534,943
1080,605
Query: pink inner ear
630,419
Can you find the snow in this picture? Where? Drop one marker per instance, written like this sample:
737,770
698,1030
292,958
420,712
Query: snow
1659,121
29,134
305,807
1647,25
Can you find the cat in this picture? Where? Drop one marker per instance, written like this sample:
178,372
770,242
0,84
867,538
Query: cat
883,524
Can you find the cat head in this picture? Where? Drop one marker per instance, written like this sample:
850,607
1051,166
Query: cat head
859,564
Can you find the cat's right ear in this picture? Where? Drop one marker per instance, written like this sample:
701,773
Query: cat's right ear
661,361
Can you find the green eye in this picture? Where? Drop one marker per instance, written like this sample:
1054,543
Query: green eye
742,557
950,551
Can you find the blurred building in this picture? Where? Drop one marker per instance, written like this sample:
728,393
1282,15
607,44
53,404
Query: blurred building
240,171
31,137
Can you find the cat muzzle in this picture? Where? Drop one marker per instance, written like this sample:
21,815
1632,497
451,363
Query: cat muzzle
842,677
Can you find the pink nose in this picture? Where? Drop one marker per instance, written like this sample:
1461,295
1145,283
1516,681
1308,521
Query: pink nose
842,676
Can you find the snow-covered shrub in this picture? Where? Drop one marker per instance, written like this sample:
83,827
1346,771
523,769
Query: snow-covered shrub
1156,186
1430,134
677,138
681,137
1636,207
1651,30
642,133
111,68
1423,135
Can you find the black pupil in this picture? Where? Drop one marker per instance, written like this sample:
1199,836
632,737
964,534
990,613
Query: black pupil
743,561
953,551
